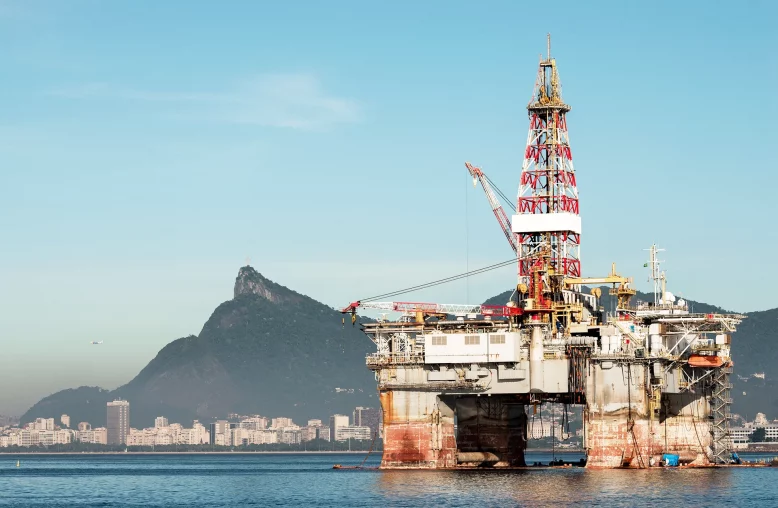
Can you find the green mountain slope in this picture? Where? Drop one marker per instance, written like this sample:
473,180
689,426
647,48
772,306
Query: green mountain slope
269,350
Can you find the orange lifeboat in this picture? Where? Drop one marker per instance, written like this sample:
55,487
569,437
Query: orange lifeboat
705,361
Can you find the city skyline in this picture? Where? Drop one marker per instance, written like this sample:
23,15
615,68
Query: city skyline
245,430
237,430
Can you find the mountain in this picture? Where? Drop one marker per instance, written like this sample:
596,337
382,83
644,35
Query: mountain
276,352
269,351
752,353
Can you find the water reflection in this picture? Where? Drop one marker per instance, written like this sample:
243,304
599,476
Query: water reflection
537,487
309,480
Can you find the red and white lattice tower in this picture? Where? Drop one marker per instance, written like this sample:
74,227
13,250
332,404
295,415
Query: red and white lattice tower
547,222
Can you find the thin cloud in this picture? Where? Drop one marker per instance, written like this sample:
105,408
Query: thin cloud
10,9
296,101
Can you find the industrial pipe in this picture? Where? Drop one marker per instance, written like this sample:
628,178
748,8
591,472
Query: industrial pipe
536,360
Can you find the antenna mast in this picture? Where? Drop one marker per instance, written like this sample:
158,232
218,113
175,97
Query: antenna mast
656,275
548,46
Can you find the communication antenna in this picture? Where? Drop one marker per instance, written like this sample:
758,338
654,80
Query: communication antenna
548,46
657,275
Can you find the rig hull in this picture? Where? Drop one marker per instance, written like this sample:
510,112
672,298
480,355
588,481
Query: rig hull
418,431
629,428
458,394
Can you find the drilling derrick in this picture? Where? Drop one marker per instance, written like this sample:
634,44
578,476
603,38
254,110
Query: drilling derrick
547,223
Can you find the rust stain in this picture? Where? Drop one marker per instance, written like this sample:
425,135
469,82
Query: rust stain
412,443
621,444
387,405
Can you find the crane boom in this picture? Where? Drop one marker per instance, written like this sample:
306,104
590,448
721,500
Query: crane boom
502,218
436,308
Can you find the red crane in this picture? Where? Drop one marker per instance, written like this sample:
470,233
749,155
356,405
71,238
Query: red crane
502,218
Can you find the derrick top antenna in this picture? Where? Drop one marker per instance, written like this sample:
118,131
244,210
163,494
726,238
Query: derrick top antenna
548,46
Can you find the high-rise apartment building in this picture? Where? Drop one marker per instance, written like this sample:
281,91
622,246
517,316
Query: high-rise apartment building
281,422
337,422
354,432
160,421
220,433
42,424
65,419
253,423
368,417
118,421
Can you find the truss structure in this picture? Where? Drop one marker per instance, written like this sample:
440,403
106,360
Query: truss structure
548,186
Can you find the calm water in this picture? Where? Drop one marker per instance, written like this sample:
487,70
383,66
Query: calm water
309,480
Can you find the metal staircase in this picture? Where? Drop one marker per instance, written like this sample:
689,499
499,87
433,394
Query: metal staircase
720,401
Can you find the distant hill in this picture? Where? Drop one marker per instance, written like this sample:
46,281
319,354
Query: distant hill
752,353
8,420
269,350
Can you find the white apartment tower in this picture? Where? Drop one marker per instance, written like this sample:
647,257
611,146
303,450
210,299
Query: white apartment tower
337,422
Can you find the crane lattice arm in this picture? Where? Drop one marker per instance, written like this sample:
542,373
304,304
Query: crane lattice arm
436,308
502,218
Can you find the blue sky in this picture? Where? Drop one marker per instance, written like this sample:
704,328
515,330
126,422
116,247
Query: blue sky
148,148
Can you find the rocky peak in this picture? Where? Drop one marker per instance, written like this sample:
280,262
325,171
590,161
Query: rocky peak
251,282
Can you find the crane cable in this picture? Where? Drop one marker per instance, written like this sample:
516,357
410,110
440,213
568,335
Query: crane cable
453,278
500,193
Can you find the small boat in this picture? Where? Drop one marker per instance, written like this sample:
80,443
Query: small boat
17,463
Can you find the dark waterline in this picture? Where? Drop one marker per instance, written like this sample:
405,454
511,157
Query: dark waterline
309,480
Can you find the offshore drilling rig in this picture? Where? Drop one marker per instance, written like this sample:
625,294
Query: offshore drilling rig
652,377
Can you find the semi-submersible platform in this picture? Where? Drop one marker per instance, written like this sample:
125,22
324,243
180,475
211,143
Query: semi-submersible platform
652,377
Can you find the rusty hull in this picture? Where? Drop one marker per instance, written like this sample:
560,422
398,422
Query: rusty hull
418,431
625,427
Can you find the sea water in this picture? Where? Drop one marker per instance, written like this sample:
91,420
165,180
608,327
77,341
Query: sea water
217,480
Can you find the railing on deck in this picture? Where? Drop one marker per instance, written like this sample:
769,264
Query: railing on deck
379,359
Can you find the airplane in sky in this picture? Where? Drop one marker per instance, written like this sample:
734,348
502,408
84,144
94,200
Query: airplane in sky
96,342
